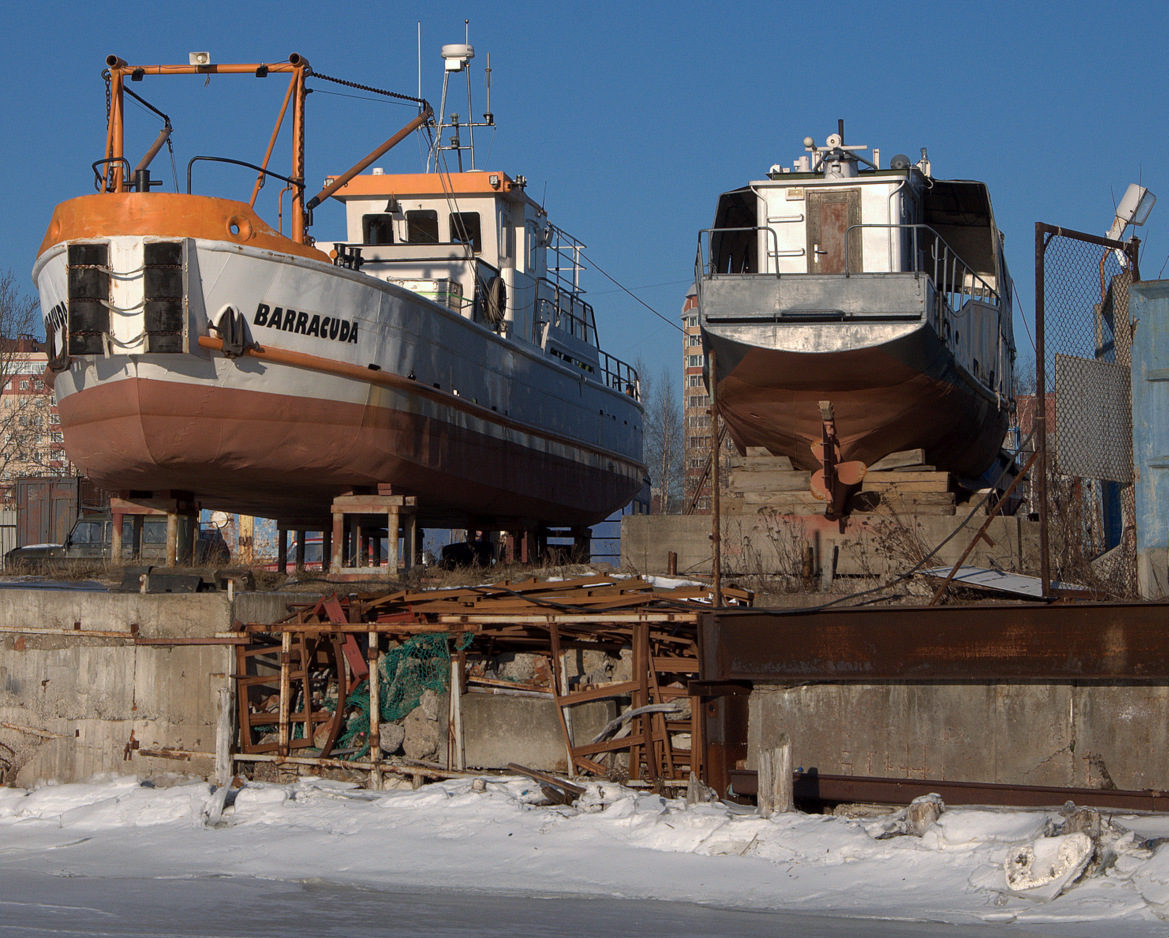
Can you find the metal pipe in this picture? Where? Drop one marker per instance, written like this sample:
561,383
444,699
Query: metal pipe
297,208
1040,414
715,506
149,155
272,142
358,167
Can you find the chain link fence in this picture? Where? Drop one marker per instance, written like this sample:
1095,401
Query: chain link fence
1082,406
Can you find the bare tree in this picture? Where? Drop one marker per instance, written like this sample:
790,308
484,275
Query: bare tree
26,404
663,439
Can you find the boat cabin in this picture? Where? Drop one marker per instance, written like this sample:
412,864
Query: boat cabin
839,238
473,242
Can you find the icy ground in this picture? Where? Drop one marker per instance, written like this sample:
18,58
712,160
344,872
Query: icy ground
296,843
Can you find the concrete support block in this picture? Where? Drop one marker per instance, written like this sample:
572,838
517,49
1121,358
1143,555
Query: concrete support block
500,729
1062,735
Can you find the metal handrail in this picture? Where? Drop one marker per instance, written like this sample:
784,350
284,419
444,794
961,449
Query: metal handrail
224,159
620,376
703,269
587,331
949,263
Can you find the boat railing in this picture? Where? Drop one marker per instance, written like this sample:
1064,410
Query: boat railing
620,376
564,309
705,262
563,259
223,159
956,282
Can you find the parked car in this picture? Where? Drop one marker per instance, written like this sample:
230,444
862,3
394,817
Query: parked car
91,538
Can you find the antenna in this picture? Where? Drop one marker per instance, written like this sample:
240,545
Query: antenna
420,62
470,118
488,117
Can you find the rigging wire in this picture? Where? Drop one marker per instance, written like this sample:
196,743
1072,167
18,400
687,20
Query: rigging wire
597,267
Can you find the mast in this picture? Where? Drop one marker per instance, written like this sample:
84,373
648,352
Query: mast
297,210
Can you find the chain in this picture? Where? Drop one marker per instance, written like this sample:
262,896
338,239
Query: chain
352,84
105,73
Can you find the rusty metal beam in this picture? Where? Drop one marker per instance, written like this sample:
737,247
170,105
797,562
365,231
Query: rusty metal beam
982,642
812,787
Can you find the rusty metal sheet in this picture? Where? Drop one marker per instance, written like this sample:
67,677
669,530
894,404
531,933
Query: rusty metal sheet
809,786
977,642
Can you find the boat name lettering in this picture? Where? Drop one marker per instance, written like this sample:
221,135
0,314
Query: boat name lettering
58,317
291,320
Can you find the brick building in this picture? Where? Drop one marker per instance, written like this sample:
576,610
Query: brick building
31,442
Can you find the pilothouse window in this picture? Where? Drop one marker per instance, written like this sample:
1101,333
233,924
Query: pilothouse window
422,226
465,230
377,229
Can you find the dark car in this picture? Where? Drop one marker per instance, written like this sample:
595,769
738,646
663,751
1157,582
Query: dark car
91,538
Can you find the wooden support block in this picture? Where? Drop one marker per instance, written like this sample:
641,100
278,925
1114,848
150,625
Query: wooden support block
766,463
900,460
791,480
775,779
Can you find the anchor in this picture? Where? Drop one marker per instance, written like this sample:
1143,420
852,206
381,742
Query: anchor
838,479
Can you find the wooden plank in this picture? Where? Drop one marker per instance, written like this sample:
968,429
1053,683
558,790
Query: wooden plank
768,481
905,488
600,692
564,618
901,460
546,778
676,665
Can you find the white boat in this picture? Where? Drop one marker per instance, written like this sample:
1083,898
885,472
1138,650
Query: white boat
863,304
440,348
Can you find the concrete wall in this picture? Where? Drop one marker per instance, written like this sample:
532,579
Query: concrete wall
771,545
500,729
74,705
1036,734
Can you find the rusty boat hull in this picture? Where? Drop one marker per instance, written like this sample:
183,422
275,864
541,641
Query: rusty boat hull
865,305
343,382
904,393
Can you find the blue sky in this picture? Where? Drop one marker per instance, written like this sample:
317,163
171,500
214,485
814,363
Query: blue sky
628,119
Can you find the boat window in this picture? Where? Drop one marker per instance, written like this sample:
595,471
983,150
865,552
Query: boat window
465,230
507,240
377,229
422,226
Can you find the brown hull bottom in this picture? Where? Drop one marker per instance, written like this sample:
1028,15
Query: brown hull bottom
286,458
881,406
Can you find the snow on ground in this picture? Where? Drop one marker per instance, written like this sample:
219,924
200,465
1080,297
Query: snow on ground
613,842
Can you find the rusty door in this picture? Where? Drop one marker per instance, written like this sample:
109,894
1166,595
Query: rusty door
831,212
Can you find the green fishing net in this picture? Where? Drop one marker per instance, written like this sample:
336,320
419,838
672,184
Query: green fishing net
420,663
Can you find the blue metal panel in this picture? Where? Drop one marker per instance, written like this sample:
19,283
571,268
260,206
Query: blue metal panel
1149,305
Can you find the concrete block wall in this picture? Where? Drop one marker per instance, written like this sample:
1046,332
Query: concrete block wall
1063,735
76,705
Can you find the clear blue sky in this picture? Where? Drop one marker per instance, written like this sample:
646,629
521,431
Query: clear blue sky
630,118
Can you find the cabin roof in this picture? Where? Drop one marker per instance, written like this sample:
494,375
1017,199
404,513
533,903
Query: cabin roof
475,182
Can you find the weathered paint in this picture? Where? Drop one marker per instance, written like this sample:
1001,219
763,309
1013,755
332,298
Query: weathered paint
1149,303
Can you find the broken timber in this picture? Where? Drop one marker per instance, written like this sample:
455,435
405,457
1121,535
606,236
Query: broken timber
295,677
